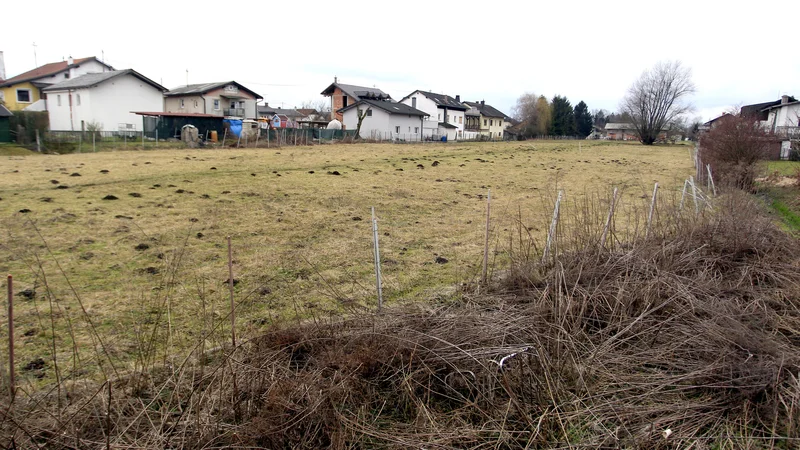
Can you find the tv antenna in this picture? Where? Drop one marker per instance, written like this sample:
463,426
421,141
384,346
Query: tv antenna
35,61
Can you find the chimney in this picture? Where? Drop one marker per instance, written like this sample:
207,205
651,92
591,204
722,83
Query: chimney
458,98
483,103
70,61
2,67
335,79
784,99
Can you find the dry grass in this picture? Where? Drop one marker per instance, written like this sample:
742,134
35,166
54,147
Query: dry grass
684,339
298,251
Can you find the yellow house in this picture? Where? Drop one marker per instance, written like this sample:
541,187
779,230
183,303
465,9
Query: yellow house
25,90
485,120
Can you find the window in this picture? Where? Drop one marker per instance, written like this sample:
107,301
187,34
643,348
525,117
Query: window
491,123
397,129
344,101
369,112
195,103
416,129
66,75
23,95
413,102
58,99
182,105
484,122
460,119
78,99
439,117
216,104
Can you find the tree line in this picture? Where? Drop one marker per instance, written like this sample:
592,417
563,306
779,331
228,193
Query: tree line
654,104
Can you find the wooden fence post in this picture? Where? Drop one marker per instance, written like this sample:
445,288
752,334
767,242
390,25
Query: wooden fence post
485,272
38,142
650,214
694,195
553,224
12,383
230,288
608,219
711,180
377,254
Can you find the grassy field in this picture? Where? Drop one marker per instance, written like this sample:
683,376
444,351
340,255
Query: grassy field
117,250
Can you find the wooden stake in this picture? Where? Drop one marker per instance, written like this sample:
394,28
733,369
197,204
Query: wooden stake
652,208
609,218
224,135
230,288
94,146
377,255
258,134
694,195
108,418
553,224
711,180
683,194
12,383
38,143
485,272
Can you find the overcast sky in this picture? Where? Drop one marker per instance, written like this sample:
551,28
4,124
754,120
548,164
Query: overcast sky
289,51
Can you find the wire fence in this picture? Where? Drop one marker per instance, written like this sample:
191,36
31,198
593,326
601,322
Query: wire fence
94,141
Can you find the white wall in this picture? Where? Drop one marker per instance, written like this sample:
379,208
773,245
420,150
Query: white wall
384,125
437,115
109,103
786,116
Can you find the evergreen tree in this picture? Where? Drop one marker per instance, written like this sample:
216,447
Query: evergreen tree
563,118
583,119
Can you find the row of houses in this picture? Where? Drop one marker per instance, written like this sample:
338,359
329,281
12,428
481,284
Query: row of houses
417,116
82,92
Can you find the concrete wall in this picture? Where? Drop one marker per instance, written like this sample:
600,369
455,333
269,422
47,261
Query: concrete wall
192,104
109,104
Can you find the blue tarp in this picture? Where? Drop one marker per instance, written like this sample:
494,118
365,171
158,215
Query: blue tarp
235,126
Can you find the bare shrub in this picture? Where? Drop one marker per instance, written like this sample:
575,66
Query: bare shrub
734,148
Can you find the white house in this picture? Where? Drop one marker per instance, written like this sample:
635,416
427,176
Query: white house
445,113
107,99
385,119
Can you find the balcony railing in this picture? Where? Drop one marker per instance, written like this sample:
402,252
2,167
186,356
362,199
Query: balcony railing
788,132
235,112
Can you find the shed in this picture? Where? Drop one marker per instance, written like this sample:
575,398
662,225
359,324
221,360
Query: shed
168,125
5,124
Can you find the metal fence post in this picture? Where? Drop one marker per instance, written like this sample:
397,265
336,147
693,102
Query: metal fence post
12,384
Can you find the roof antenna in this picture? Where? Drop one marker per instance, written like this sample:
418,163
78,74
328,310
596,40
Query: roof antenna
187,77
35,61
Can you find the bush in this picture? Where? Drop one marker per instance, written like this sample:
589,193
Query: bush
30,122
734,148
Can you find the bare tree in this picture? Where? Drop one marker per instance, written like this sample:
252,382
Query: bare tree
362,113
657,98
525,112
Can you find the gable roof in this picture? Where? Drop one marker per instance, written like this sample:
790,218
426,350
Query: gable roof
620,126
93,79
390,106
308,111
266,109
4,112
202,88
441,100
486,110
49,69
357,92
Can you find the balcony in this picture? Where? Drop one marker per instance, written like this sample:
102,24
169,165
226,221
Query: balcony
234,112
788,132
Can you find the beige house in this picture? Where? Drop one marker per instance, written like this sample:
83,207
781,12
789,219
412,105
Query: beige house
485,120
227,99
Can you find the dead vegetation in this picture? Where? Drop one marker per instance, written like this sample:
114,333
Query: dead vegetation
686,338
